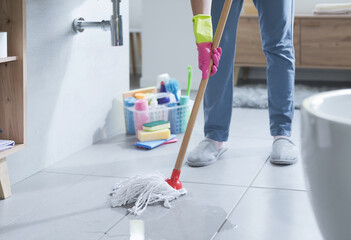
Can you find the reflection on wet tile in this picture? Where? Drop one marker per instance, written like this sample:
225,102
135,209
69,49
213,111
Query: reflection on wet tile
137,229
272,214
197,215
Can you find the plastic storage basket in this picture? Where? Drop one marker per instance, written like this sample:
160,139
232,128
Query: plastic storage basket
178,117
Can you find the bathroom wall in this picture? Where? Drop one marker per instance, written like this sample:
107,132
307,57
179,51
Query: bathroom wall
135,14
74,83
135,23
168,42
169,46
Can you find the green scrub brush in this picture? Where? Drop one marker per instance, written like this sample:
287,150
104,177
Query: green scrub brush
190,78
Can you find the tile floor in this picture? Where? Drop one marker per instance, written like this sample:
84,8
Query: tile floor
242,196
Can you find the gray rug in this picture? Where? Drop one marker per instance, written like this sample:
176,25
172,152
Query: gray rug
255,95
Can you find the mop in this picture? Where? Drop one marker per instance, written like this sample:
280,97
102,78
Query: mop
154,188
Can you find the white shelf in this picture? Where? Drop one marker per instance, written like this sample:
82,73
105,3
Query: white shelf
16,148
8,59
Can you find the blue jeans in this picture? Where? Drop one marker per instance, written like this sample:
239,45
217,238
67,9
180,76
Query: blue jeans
276,18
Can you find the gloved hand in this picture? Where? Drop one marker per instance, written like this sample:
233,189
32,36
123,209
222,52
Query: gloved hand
204,50
203,34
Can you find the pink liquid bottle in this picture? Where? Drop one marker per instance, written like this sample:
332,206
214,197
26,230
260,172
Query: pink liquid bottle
141,114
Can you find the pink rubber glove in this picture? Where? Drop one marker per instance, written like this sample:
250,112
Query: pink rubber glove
204,50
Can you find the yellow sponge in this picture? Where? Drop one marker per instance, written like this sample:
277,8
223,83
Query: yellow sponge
155,135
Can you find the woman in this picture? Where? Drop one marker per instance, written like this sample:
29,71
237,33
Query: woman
276,18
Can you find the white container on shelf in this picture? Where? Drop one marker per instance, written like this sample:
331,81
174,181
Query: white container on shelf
3,44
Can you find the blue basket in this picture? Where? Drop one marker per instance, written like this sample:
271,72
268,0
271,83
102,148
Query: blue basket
178,117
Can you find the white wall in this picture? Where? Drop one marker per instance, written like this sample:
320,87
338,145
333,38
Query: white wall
135,14
74,84
168,40
135,23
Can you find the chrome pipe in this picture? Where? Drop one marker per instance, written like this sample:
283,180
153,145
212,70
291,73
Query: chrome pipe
114,25
79,25
115,7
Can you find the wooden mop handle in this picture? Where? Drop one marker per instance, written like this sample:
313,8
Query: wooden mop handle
202,87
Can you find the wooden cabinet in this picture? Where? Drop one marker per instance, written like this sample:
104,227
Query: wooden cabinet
326,42
248,47
320,42
12,84
297,42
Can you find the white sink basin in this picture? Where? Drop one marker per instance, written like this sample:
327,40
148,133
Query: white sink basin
326,156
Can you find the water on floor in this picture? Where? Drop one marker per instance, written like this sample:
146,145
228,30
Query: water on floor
242,196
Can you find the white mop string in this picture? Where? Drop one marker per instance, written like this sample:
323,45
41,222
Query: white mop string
143,191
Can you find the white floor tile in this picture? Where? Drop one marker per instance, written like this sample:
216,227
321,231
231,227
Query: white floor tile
80,212
86,160
271,214
138,161
52,205
115,238
197,215
238,166
255,123
250,122
31,193
286,177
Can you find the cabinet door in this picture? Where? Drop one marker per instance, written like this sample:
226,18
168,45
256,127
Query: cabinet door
326,42
249,47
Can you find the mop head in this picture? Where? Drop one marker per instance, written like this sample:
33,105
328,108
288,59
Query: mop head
144,190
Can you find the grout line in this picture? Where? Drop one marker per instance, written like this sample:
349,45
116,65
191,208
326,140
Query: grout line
26,178
42,201
107,176
278,188
113,225
67,173
216,184
230,212
242,196
112,176
85,175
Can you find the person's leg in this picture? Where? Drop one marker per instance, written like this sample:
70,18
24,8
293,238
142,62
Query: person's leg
218,98
276,23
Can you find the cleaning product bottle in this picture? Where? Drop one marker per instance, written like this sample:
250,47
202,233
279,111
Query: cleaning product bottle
163,98
162,78
162,87
152,107
129,103
153,102
141,113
